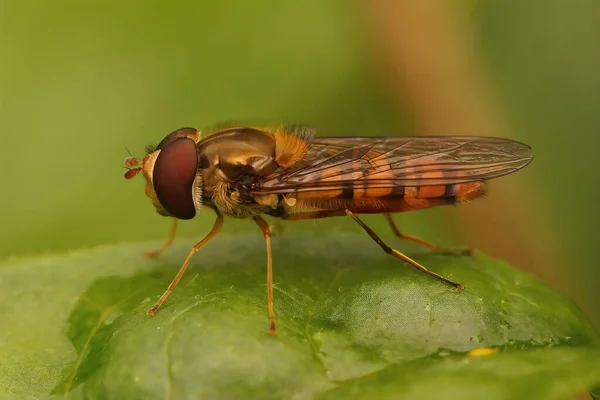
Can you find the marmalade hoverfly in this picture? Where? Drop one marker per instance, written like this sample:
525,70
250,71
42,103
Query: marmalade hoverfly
288,173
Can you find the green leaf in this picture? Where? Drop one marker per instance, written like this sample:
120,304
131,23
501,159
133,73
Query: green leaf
352,323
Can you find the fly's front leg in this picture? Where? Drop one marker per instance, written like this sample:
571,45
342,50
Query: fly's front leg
167,243
421,242
213,232
397,254
266,230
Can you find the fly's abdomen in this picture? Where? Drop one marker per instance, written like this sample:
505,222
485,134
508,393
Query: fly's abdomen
459,192
368,199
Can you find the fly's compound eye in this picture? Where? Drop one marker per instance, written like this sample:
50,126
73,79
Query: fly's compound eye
173,177
178,134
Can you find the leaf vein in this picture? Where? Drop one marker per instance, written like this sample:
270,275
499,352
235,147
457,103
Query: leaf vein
81,356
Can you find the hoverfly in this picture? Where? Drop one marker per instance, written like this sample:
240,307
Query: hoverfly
288,173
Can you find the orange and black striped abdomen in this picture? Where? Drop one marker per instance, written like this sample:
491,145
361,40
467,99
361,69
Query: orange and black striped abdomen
396,199
373,190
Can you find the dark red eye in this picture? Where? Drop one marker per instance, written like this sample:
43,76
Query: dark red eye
178,134
173,177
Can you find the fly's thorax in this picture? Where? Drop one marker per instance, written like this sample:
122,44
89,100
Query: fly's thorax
229,154
243,151
231,202
230,161
171,171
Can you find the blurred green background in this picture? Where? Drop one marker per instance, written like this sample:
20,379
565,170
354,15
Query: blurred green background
81,80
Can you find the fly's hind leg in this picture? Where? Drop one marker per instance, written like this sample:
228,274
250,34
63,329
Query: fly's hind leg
375,237
167,243
421,242
397,254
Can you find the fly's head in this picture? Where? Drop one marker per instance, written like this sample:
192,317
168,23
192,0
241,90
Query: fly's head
173,181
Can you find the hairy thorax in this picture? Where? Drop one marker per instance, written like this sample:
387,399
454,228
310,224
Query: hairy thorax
233,161
229,200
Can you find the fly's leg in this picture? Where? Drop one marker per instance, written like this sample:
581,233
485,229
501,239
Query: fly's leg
213,232
374,236
167,243
401,256
266,230
421,242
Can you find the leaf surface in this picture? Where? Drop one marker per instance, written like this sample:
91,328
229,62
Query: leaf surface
352,322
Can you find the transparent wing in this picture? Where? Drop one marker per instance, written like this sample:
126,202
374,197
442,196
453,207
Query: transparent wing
336,162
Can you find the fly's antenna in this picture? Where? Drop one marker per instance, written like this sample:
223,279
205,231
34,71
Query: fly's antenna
132,164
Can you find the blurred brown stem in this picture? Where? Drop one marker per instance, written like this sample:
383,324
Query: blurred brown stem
429,62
